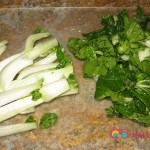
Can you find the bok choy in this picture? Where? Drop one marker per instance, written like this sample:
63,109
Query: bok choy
26,82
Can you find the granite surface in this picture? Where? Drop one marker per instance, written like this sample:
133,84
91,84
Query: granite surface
82,123
73,3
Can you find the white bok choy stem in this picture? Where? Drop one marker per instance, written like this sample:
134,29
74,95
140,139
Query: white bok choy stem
32,39
28,47
71,92
2,43
49,59
10,71
52,57
14,94
47,79
66,71
74,87
24,82
6,61
30,110
54,90
35,68
18,106
17,128
2,49
3,46
42,48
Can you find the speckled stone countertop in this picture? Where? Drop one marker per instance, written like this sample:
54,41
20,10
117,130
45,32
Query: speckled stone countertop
73,3
82,123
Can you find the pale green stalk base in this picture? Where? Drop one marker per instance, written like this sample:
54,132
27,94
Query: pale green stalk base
35,68
30,110
42,48
55,89
18,106
32,38
6,61
48,92
10,71
2,49
2,43
47,76
14,94
65,71
20,83
70,92
49,59
17,128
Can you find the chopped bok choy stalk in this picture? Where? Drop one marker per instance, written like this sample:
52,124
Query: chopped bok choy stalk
50,76
73,86
23,82
6,61
10,71
3,46
17,93
32,39
17,128
36,68
48,92
52,57
30,110
26,83
18,106
49,59
55,89
42,48
2,43
29,125
2,49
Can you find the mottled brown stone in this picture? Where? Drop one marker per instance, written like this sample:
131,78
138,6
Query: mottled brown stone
73,3
82,123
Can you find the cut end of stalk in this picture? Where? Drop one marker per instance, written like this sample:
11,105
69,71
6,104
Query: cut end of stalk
54,90
17,128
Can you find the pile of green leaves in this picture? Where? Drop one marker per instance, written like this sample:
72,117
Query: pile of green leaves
119,56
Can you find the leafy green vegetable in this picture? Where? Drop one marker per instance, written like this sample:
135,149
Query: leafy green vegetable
72,81
93,34
63,59
36,95
113,24
30,119
47,120
133,30
92,68
119,55
114,81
